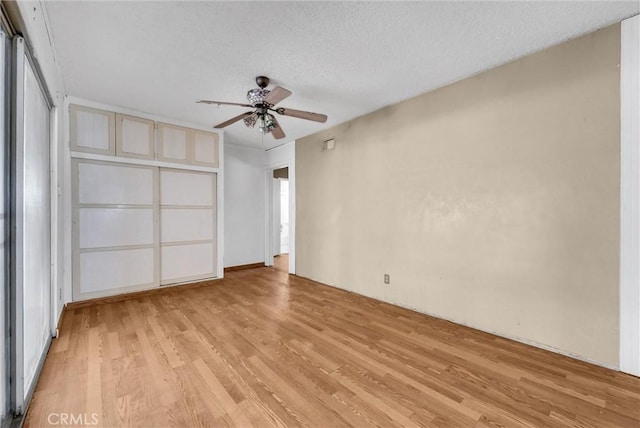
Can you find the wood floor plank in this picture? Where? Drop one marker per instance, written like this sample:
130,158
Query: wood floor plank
266,349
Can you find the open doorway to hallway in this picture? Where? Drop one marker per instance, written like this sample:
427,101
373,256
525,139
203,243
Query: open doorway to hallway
280,222
281,259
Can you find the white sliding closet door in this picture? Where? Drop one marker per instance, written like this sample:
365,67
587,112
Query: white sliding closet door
31,276
137,227
115,228
187,225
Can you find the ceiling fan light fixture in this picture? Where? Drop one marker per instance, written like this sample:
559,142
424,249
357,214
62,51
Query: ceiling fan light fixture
266,123
250,121
256,95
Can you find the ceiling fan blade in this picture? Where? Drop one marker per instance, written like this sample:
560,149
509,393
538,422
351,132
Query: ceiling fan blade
277,132
223,103
233,119
276,95
316,117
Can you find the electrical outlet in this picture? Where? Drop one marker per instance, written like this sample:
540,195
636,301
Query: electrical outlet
386,278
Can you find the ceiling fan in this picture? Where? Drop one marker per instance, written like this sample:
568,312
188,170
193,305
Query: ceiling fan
263,101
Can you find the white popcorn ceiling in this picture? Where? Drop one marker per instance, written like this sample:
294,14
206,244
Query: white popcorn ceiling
344,59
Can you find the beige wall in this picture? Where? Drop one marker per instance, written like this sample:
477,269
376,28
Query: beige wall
492,202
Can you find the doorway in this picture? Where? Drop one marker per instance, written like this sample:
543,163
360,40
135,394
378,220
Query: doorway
280,229
280,222
281,211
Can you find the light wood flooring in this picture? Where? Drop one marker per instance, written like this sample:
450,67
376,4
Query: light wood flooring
281,263
262,348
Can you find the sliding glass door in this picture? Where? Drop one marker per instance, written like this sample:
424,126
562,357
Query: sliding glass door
5,50
31,226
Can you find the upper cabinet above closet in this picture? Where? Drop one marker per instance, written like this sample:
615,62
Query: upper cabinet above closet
205,148
107,133
134,137
185,145
92,130
173,143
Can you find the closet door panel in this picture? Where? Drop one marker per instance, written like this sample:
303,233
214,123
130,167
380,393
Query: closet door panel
101,183
112,270
186,188
179,225
182,262
187,225
115,227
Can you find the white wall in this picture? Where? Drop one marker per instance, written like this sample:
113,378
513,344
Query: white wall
278,157
282,155
244,205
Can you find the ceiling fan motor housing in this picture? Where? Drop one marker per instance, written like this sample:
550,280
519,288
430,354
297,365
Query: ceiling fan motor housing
262,81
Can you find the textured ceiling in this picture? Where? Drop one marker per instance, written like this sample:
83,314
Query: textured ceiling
344,59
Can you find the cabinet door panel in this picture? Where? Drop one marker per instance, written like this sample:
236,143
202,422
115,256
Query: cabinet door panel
92,130
205,148
173,143
134,137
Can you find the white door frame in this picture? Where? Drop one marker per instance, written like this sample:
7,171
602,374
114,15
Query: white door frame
269,220
630,196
